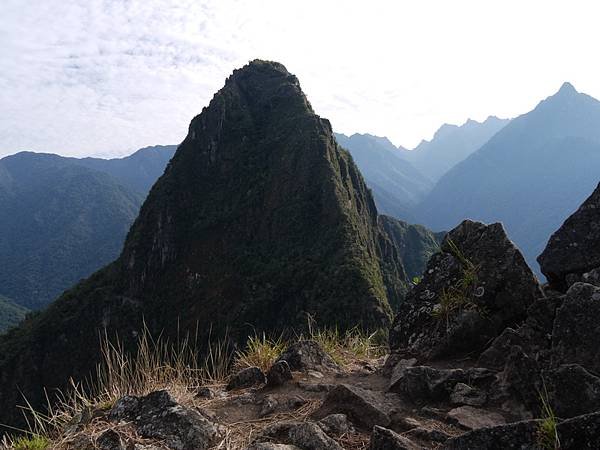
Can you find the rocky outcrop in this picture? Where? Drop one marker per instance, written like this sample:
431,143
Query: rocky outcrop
574,248
158,416
473,289
307,355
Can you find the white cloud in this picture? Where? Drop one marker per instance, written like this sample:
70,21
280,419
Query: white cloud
108,76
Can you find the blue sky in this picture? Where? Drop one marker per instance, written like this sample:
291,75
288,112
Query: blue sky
105,77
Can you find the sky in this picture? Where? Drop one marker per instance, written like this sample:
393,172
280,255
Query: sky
106,77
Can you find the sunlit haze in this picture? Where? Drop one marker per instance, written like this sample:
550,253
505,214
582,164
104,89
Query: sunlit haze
83,77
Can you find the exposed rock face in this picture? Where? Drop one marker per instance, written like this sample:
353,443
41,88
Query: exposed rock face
575,247
478,285
576,332
248,377
307,355
259,218
384,439
159,416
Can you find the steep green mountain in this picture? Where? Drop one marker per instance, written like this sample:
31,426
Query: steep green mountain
416,244
531,175
64,218
396,184
452,144
10,314
260,219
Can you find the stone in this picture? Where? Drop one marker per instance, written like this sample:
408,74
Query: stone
306,435
398,370
158,416
522,378
308,355
514,436
310,436
463,394
363,407
573,391
424,383
576,331
592,277
577,433
336,424
269,405
205,392
429,434
271,446
110,440
384,439
473,418
478,285
279,374
245,378
575,247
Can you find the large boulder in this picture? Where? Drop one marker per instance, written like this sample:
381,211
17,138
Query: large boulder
473,289
159,416
575,247
308,355
576,331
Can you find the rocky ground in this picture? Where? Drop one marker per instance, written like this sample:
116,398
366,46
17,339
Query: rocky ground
481,357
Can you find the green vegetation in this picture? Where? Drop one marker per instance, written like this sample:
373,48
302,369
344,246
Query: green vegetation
547,433
462,294
10,313
260,352
30,443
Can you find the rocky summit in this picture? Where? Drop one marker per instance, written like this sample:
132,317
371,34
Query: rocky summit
260,221
574,249
470,292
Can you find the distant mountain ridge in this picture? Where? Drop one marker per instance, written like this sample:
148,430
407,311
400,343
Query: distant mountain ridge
530,175
396,184
10,313
64,217
451,144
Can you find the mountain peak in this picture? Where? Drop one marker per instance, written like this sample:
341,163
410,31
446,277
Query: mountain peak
567,89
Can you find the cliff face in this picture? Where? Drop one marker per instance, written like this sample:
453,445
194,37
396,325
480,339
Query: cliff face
259,220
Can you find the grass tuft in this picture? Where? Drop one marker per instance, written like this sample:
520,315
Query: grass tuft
33,442
260,352
547,432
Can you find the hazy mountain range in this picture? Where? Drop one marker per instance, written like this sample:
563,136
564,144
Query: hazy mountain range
63,218
530,176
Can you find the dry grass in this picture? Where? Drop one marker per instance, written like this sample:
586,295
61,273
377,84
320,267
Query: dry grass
260,352
175,366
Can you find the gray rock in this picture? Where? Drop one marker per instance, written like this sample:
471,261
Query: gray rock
308,355
279,374
482,271
592,277
576,331
269,405
110,440
363,407
578,433
271,446
473,418
573,391
575,247
423,383
336,424
514,436
463,394
398,370
310,436
306,435
205,392
158,416
384,439
245,378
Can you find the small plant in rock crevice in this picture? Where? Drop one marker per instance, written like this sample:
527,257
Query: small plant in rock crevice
547,432
462,294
